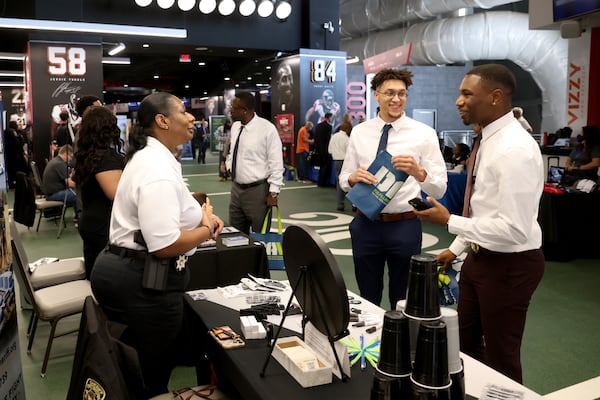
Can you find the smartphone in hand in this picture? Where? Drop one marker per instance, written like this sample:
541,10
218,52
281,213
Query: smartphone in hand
419,204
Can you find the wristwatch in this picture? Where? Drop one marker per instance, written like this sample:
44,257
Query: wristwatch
274,194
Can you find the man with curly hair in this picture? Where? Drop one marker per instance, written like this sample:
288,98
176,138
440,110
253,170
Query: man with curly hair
395,235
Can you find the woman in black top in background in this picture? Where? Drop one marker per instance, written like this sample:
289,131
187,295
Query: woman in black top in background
98,168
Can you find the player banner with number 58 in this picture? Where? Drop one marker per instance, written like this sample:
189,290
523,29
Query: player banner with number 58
57,75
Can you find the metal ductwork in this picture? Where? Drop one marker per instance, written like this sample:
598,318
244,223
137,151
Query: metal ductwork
360,17
483,36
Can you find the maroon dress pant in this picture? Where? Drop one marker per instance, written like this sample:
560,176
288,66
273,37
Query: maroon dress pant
495,291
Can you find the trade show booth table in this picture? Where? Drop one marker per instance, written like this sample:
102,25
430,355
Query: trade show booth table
221,265
239,369
569,222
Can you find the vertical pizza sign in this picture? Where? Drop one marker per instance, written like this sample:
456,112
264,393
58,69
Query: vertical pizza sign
59,74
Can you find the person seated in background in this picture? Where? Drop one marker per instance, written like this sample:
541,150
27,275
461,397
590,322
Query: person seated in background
584,160
518,113
57,177
460,154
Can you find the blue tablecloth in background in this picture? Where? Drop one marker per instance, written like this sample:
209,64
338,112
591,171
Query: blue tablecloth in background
455,193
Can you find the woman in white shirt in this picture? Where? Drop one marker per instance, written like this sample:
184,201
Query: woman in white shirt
155,224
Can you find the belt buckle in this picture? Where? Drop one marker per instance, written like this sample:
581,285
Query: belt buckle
475,247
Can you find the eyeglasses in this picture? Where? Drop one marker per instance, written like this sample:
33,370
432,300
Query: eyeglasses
390,94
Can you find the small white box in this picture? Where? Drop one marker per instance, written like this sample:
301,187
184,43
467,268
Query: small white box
251,328
306,378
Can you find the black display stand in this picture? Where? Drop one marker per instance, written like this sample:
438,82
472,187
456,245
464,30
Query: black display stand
317,284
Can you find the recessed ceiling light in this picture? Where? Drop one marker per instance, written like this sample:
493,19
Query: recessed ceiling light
186,5
156,76
207,6
202,48
247,7
187,86
265,8
241,50
146,45
237,85
249,78
143,3
125,85
268,67
226,7
283,9
227,78
164,4
202,63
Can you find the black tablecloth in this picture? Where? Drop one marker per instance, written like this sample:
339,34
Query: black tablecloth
569,224
239,369
222,266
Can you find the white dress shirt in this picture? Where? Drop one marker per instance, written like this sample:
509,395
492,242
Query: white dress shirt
338,145
509,180
407,137
152,197
259,154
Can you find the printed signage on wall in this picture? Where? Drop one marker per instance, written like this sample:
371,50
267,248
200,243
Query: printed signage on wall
59,74
323,85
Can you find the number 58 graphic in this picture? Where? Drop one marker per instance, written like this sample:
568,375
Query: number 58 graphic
66,60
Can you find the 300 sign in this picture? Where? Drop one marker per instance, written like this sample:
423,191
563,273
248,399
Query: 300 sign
66,61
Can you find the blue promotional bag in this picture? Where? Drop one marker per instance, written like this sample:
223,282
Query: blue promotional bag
271,240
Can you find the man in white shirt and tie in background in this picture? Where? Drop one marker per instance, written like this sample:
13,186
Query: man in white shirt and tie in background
255,163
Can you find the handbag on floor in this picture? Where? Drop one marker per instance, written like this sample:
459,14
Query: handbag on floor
271,240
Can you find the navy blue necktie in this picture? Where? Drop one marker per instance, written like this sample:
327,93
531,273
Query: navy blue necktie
235,151
384,138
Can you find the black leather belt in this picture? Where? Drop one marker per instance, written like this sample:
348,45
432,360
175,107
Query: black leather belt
392,217
125,252
477,249
249,185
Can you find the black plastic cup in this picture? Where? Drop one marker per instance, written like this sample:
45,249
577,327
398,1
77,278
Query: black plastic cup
457,389
430,369
394,349
384,387
421,393
422,293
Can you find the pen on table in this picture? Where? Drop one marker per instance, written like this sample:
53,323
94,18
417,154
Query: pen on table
372,329
366,323
363,363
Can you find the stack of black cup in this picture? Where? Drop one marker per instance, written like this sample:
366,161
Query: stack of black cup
419,352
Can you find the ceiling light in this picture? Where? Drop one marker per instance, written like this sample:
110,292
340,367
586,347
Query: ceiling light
143,3
146,45
117,49
12,56
226,7
116,60
207,6
202,63
240,50
164,4
156,76
227,78
265,8
283,9
186,5
87,27
247,7
12,73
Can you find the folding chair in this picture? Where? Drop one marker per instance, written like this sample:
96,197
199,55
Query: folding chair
51,303
52,208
